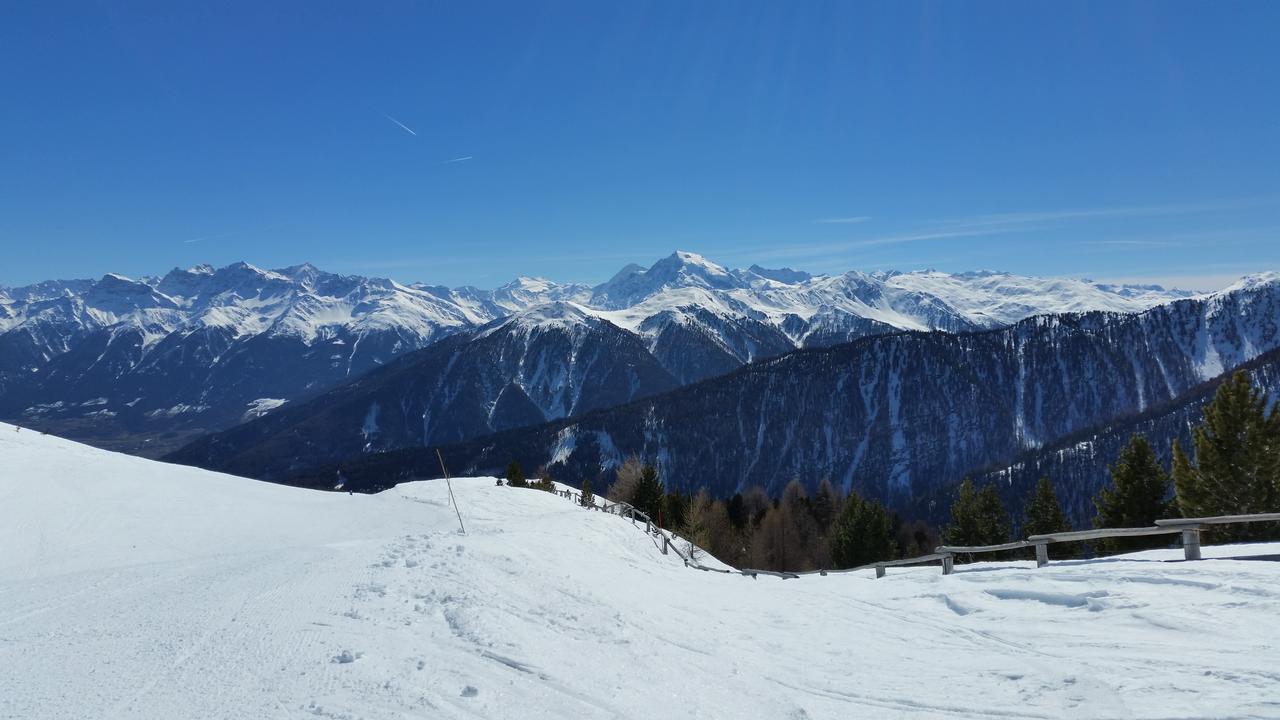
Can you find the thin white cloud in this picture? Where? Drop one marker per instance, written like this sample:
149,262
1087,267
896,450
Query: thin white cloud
402,125
833,248
1128,243
1033,218
464,158
843,220
238,233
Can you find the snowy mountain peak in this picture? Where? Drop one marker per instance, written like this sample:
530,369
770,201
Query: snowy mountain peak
1252,282
690,265
680,269
626,272
118,294
556,315
529,284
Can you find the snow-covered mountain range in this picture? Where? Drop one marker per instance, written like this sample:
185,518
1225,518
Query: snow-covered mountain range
144,364
895,417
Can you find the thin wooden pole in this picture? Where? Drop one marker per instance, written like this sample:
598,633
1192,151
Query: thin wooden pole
452,499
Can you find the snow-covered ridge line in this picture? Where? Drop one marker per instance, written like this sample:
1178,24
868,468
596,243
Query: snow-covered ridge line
311,305
219,339
680,280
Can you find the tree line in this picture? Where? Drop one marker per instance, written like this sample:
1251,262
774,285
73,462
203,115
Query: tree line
1233,468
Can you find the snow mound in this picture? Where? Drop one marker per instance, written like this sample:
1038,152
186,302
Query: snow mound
137,589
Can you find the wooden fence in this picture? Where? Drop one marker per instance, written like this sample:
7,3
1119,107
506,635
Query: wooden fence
1189,528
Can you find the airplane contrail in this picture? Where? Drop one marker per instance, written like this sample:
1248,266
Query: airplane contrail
406,127
457,159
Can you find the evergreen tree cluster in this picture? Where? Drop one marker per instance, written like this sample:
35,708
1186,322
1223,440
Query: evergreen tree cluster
977,517
515,478
795,532
1138,497
1236,466
1234,469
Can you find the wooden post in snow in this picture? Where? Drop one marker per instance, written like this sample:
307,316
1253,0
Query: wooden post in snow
1042,554
1191,543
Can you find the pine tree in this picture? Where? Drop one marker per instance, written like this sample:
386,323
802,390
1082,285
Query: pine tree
1044,513
1138,497
674,506
588,499
1044,516
825,505
737,511
649,495
977,517
861,534
824,508
515,478
1236,470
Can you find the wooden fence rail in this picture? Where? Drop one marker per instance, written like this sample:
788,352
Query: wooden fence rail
1189,528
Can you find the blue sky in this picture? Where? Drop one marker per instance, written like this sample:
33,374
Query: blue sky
467,143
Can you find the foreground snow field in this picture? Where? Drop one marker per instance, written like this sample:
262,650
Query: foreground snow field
134,589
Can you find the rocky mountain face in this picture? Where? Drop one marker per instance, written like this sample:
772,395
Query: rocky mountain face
1078,464
897,417
130,363
539,365
143,365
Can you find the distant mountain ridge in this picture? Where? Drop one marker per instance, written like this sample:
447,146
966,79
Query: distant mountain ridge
897,417
143,365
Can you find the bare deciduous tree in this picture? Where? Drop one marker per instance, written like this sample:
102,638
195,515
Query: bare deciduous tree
624,485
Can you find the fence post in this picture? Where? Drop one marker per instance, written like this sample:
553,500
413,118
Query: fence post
1191,543
664,544
948,564
1042,554
879,571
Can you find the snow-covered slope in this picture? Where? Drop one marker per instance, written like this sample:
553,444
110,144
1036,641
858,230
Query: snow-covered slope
134,589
